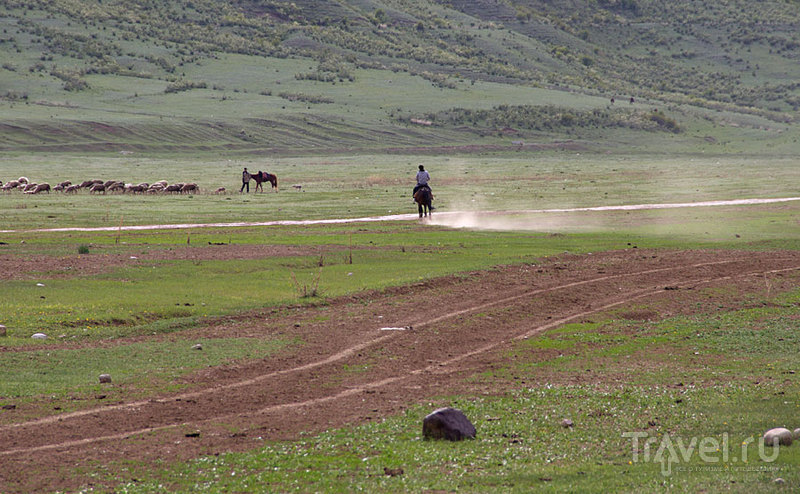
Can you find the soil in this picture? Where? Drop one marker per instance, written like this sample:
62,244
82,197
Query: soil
368,356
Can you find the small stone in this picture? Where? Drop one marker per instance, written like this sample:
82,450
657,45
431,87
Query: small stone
197,347
779,481
780,435
796,433
105,378
2,330
39,336
393,472
567,423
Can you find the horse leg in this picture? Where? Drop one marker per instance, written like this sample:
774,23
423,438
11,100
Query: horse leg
419,205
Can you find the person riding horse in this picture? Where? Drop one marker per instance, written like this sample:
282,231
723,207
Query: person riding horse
423,177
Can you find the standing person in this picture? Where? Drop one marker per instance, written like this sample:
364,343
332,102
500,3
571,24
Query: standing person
423,178
245,181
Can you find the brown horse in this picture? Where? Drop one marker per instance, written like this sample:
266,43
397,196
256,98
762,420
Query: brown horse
423,198
262,177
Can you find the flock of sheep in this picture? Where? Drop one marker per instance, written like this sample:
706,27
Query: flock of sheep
101,186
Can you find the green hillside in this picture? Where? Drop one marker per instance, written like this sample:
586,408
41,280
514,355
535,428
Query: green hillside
395,75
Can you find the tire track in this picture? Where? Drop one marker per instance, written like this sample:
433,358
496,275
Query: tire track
436,368
354,349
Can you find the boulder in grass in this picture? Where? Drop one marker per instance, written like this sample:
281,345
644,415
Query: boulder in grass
2,330
447,423
39,336
796,434
780,435
105,378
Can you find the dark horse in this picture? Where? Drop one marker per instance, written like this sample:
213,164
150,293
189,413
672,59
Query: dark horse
262,177
423,198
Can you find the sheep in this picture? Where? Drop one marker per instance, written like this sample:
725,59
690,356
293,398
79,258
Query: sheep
86,184
72,189
43,187
65,184
189,188
115,187
28,187
133,189
11,184
97,188
23,180
173,188
220,190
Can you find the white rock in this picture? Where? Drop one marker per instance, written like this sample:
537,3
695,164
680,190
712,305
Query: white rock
40,284
783,436
38,336
105,378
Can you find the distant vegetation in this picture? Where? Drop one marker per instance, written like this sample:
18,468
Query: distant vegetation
735,56
548,118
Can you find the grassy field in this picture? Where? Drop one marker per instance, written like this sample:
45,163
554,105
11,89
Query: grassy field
515,451
706,414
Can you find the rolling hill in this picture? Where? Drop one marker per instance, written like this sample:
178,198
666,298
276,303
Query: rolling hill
396,75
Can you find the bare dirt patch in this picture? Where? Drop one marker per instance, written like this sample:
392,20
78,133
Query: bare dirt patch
16,267
442,332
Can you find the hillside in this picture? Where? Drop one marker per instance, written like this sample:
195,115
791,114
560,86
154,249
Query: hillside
396,75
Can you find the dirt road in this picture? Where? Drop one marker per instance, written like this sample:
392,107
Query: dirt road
410,347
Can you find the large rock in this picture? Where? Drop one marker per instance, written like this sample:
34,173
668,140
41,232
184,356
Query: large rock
447,423
784,436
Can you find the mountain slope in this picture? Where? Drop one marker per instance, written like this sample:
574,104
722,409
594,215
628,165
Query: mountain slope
172,67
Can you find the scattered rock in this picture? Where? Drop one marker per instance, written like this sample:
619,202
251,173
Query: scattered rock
2,330
567,423
781,434
39,336
105,378
779,481
447,423
796,433
393,471
192,434
197,347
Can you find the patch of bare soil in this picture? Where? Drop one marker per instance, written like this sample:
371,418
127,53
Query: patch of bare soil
15,267
415,342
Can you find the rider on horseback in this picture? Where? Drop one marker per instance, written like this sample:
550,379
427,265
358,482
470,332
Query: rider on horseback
423,177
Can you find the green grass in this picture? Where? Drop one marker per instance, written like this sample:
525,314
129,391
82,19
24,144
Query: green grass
370,185
137,369
521,445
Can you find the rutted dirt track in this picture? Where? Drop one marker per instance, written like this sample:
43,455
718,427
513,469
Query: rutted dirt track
453,328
